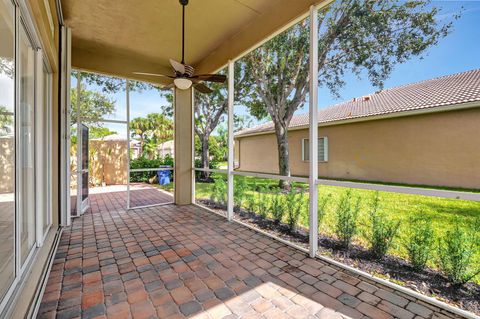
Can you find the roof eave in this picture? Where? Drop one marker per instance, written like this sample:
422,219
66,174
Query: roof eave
429,110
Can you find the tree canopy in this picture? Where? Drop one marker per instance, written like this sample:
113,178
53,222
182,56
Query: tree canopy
6,121
93,107
151,131
363,37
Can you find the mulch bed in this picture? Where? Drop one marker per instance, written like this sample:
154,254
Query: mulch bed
428,282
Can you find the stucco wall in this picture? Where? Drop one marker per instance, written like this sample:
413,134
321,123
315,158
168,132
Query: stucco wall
7,158
438,149
108,163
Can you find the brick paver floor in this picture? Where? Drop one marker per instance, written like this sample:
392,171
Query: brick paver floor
176,262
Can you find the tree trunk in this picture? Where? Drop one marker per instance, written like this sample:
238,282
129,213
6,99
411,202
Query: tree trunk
205,157
283,156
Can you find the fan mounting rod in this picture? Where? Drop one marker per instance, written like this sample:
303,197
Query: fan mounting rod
184,4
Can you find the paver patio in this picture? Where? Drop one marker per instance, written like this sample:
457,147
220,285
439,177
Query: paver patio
183,261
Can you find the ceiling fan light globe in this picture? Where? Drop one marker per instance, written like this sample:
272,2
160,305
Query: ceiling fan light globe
182,83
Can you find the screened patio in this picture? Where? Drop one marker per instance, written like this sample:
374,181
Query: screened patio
124,200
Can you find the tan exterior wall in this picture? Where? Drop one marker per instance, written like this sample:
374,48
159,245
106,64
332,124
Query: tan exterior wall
7,156
108,162
437,149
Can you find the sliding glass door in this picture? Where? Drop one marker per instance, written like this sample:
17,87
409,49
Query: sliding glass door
25,148
7,146
26,113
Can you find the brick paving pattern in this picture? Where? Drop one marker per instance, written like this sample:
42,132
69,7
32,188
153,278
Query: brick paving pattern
184,262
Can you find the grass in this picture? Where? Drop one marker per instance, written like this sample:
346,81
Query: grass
444,213
168,187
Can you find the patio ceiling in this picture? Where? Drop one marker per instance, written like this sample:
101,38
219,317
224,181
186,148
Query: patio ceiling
121,37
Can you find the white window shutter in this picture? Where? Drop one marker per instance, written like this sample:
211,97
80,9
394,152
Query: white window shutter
322,149
325,149
305,150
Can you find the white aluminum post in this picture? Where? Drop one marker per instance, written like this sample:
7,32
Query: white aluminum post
38,164
79,149
313,131
66,106
231,83
127,95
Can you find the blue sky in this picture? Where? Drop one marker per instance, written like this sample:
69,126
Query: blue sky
459,51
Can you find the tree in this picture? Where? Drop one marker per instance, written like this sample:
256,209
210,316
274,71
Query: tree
161,126
209,110
7,67
93,107
151,131
110,84
100,132
355,36
6,121
140,128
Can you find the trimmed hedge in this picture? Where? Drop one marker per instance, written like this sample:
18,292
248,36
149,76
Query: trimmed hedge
143,162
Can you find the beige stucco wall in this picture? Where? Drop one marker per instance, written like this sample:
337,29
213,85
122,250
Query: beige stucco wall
108,163
7,157
438,149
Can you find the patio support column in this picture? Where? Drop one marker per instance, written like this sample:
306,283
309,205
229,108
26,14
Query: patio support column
183,150
231,83
313,131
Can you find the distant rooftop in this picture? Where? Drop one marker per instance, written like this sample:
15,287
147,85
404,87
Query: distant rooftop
447,90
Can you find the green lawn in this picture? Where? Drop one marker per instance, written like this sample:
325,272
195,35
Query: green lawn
443,212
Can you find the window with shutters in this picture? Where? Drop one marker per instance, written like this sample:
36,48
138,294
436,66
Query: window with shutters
322,149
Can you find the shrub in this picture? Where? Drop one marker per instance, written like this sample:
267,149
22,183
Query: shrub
276,209
455,252
347,213
294,204
262,203
250,203
419,241
143,162
239,190
219,190
382,230
322,208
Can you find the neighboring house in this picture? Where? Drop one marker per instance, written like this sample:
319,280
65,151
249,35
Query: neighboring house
424,133
166,148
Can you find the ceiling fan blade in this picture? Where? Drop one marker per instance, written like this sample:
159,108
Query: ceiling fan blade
202,88
182,69
211,77
154,74
177,66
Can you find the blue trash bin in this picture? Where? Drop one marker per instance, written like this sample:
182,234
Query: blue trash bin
163,176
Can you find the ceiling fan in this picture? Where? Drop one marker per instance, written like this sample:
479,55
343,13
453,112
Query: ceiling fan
185,76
